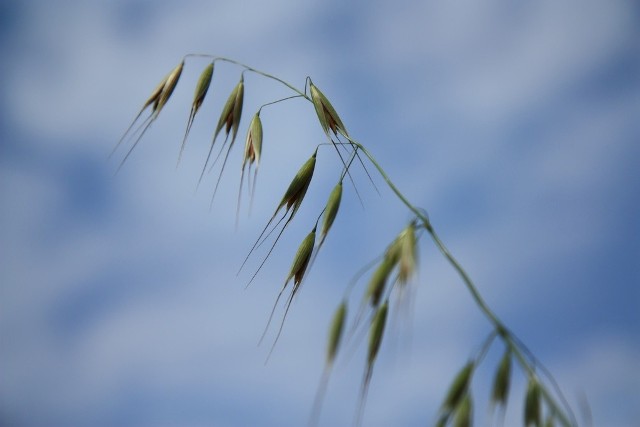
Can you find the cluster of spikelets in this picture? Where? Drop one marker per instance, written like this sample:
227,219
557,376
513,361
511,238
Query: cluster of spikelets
395,270
397,267
229,121
457,407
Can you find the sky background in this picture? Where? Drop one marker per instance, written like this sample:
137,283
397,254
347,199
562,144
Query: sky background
516,125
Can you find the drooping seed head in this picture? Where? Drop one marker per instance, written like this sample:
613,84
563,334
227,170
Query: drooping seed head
327,115
335,332
403,250
331,209
237,107
376,331
502,380
168,87
202,87
458,388
378,281
231,112
298,187
302,257
532,410
407,254
155,95
253,143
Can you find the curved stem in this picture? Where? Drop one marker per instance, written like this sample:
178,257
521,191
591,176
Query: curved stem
278,101
443,249
248,68
510,339
501,329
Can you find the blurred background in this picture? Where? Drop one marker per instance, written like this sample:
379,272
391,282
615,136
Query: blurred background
514,124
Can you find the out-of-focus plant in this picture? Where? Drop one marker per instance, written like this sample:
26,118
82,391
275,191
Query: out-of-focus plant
395,270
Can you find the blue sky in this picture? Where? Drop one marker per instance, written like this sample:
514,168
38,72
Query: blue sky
515,125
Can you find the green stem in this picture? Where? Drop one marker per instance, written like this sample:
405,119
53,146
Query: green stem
248,68
443,249
278,101
499,327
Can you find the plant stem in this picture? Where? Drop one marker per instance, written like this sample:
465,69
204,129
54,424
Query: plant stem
500,329
503,332
253,70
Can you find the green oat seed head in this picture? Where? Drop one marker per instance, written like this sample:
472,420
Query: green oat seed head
157,93
201,91
202,87
532,410
253,143
299,185
167,89
158,99
335,332
231,112
458,388
502,380
230,120
464,412
376,331
329,119
407,254
301,260
331,210
378,281
251,155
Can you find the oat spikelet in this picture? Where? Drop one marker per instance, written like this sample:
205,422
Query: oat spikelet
198,98
335,335
230,121
331,211
329,214
532,410
297,273
376,333
157,101
408,254
252,154
327,115
299,185
378,281
331,123
501,382
291,201
301,260
458,389
170,85
464,412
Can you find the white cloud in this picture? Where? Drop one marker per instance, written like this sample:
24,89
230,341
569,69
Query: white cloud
489,63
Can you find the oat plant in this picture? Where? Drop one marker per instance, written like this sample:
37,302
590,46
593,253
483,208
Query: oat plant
391,276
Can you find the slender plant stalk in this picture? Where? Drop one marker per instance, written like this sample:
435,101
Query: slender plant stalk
524,357
499,326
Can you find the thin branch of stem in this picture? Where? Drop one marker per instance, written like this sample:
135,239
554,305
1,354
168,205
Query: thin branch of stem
248,68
